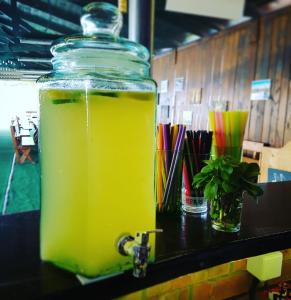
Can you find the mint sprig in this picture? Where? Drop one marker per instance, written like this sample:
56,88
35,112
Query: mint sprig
224,175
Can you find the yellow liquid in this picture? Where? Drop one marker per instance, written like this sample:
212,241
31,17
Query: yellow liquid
97,176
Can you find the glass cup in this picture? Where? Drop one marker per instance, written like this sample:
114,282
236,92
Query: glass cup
193,200
194,205
225,212
235,151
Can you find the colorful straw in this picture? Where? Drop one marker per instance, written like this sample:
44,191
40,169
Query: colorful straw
170,140
174,165
196,149
228,128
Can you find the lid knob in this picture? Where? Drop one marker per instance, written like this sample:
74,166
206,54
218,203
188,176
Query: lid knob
101,17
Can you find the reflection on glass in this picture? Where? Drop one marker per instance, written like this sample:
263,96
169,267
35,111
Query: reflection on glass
19,119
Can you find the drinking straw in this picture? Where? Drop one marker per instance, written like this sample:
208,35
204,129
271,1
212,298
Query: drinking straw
203,137
219,133
227,128
196,149
235,134
209,142
174,137
159,179
241,119
177,179
172,194
243,122
159,167
211,118
187,179
160,137
164,176
187,156
237,130
173,166
190,149
166,136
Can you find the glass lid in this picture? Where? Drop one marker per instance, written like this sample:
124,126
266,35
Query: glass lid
101,23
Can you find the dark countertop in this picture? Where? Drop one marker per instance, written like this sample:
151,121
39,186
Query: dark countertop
187,244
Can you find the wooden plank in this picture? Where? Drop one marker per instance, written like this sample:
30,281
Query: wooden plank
251,58
217,94
232,71
213,84
262,64
274,134
195,78
171,74
287,134
206,48
163,68
227,54
252,146
213,67
285,117
181,71
205,62
272,61
240,72
275,71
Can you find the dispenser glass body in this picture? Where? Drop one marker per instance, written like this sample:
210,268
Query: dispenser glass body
97,175
97,144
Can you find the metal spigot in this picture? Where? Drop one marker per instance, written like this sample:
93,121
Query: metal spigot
139,249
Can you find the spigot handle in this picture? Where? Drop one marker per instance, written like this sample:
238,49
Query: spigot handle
143,237
154,231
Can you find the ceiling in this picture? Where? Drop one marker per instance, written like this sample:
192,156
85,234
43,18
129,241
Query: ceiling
27,28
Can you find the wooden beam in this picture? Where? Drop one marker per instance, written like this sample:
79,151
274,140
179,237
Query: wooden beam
30,16
53,9
46,18
188,23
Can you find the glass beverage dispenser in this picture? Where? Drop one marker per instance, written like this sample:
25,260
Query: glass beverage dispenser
97,141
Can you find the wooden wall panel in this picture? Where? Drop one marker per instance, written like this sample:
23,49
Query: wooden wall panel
163,68
201,113
248,63
279,43
267,123
256,117
232,41
246,51
275,73
201,110
216,53
182,71
285,108
224,66
287,132
195,80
